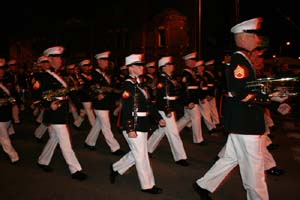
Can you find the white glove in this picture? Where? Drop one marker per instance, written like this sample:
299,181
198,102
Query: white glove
284,108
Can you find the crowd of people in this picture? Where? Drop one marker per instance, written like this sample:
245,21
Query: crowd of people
146,98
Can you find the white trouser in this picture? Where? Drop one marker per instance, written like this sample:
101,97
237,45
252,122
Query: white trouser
73,110
214,111
193,115
39,118
40,131
59,134
89,112
247,152
268,119
6,142
138,156
11,129
172,133
269,161
15,113
102,123
206,114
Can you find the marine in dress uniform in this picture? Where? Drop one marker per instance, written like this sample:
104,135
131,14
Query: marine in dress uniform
76,107
203,93
102,93
6,101
136,109
14,80
244,122
150,78
43,62
85,79
55,100
189,96
166,95
212,81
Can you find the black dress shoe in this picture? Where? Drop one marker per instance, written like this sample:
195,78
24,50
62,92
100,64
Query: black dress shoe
203,193
119,152
275,171
45,168
271,147
39,140
16,162
153,190
215,131
182,162
79,175
92,148
203,143
112,174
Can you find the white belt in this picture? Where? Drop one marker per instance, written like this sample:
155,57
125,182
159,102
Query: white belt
230,94
204,88
210,85
171,97
141,114
192,87
61,98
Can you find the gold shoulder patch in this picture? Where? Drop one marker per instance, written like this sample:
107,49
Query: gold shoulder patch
36,85
184,80
126,95
241,72
160,85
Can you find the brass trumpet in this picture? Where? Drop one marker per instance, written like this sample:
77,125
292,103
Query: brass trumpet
275,87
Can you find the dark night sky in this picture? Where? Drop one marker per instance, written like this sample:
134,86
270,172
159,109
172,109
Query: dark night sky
282,17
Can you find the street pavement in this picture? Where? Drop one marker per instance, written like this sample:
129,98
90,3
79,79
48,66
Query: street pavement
27,181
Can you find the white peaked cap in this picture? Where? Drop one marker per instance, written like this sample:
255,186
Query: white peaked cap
134,58
85,62
105,54
54,50
210,62
251,24
165,60
199,63
192,55
150,64
42,58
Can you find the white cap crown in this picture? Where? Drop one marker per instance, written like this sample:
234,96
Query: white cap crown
165,60
85,62
57,50
150,64
210,62
134,58
248,25
199,63
192,55
42,58
103,55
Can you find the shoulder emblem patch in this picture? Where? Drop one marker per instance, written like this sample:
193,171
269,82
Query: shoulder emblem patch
184,80
159,86
126,95
36,85
240,72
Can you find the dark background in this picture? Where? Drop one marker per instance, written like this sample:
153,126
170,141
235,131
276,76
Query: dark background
32,17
